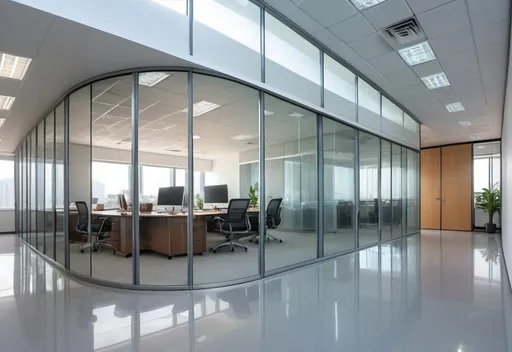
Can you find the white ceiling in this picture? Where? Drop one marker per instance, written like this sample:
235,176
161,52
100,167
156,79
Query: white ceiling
469,37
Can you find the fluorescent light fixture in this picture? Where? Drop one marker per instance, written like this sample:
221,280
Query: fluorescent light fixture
437,80
2,121
202,108
242,137
455,107
151,79
296,114
417,54
465,123
14,67
364,4
481,147
268,113
196,137
6,102
474,137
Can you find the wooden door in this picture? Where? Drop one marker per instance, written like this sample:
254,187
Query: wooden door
431,188
456,187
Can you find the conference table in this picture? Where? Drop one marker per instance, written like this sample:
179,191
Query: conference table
160,232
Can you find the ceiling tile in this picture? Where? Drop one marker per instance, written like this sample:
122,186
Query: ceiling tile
388,63
296,15
453,42
445,19
420,6
371,46
388,13
327,38
403,78
427,68
465,61
489,31
496,9
328,12
353,28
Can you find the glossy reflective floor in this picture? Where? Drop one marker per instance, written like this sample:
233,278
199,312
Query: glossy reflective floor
438,292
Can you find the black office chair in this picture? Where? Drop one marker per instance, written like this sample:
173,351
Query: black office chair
100,228
273,219
234,225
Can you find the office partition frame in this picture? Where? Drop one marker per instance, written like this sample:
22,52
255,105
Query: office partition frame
135,284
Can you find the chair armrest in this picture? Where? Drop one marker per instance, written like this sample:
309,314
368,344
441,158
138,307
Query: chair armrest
218,218
104,222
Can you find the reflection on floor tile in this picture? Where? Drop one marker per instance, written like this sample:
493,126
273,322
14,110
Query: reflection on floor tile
435,292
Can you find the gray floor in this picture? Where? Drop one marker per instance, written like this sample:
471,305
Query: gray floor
211,267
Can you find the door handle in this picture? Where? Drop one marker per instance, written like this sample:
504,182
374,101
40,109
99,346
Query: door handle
438,198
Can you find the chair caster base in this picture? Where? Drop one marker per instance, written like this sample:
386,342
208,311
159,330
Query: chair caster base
169,257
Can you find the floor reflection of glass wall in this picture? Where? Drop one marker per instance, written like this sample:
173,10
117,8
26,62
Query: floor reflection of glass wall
49,188
339,168
290,172
40,243
59,183
369,153
486,173
226,131
396,189
412,191
80,180
385,190
111,139
163,142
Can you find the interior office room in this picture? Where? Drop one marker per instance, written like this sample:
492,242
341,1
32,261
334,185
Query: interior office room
226,152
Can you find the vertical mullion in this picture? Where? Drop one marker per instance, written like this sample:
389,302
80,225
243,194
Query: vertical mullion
190,174
262,43
135,180
379,190
89,225
66,183
54,186
320,186
356,188
262,188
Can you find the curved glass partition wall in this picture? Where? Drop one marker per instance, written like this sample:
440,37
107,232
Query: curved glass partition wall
142,133
338,154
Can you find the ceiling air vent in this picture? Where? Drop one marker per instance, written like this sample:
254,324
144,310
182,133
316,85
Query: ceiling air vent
404,32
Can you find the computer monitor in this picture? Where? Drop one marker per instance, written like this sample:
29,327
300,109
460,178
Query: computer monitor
216,194
121,202
171,196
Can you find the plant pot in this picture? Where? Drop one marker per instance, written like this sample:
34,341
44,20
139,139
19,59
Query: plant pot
490,228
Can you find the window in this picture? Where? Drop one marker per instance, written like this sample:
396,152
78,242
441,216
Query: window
6,184
152,179
368,97
109,180
392,112
340,88
410,124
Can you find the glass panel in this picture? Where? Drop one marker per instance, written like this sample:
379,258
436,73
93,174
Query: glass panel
80,181
412,191
40,188
290,169
339,195
226,31
385,190
33,190
49,225
7,184
340,89
236,135
111,139
410,124
369,153
59,183
292,64
163,141
486,172
396,188
392,112
152,178
369,105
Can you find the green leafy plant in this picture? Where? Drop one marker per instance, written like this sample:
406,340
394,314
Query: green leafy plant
253,195
489,200
199,202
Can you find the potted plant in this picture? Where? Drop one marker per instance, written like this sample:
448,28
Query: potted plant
253,195
489,201
199,202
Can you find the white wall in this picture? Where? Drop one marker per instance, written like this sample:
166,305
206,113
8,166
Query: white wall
506,172
227,172
6,221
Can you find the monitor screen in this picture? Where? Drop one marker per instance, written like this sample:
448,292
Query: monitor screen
171,196
216,194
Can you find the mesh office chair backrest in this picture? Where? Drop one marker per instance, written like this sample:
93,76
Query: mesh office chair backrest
237,210
83,215
273,208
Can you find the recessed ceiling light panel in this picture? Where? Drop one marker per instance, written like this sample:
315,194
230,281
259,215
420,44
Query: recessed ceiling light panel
6,102
417,54
151,79
196,137
437,80
14,67
2,121
455,107
296,114
474,137
268,113
202,108
465,123
242,137
364,4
